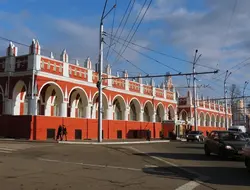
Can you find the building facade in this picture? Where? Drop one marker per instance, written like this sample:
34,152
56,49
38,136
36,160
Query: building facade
48,92
210,114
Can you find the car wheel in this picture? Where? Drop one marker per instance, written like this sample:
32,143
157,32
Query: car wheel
207,151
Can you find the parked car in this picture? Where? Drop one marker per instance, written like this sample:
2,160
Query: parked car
246,152
195,136
238,128
224,143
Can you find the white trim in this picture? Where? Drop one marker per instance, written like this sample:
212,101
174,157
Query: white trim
89,84
92,100
78,87
51,82
118,95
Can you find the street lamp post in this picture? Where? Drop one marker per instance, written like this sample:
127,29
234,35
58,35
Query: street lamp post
225,97
100,68
244,103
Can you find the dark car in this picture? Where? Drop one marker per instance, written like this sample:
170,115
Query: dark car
246,136
224,143
246,152
195,136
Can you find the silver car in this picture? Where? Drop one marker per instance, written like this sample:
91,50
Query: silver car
195,136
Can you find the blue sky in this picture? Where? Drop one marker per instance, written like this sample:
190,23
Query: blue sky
217,29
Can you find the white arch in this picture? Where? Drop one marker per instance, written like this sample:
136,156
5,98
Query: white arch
118,95
222,121
134,116
50,82
160,114
202,118
147,102
171,112
208,120
148,106
53,102
217,120
18,100
94,108
96,95
78,87
119,108
78,107
180,115
213,120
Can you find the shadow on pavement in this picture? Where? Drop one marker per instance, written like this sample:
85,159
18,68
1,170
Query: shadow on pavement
191,147
216,175
188,156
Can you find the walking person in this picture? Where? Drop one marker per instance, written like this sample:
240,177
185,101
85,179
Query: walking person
65,132
59,133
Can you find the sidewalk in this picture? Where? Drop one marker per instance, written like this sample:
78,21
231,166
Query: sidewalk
92,141
113,142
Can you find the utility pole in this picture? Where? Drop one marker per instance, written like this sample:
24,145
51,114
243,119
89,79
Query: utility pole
225,97
100,68
244,100
194,90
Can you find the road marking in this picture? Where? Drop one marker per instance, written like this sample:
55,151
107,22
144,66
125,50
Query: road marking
188,186
90,165
199,180
114,143
5,151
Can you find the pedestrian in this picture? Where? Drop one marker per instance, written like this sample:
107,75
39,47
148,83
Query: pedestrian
59,133
207,133
65,132
148,135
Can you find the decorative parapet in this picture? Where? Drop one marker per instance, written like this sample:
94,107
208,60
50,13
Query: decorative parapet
51,66
148,90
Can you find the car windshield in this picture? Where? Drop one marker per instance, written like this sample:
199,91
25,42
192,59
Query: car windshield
194,132
231,136
234,130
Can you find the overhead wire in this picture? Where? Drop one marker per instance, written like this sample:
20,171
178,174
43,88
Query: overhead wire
151,58
121,51
123,17
163,54
113,22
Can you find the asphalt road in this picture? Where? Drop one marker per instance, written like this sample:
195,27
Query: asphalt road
174,165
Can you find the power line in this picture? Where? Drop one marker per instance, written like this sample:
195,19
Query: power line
129,62
137,26
161,53
145,55
126,11
165,75
113,22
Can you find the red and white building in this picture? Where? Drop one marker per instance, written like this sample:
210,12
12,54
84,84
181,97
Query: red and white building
39,93
210,114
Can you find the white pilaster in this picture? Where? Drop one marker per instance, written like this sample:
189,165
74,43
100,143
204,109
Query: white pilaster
63,109
141,88
48,109
153,117
73,111
126,114
141,115
88,111
110,113
65,69
90,75
126,84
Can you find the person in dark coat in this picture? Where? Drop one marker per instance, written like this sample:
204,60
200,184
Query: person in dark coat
65,132
59,133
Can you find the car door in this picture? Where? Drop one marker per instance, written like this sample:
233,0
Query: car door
209,141
214,144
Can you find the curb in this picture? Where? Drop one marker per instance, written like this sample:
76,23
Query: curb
113,143
26,141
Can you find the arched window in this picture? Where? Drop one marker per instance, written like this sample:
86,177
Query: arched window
222,122
217,121
132,113
213,121
202,122
207,120
118,111
146,114
171,115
